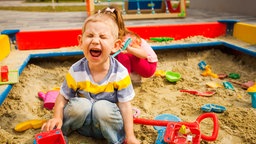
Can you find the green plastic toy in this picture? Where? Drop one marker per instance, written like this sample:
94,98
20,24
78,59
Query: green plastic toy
234,76
161,39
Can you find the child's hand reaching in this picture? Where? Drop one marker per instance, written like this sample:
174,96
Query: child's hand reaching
52,124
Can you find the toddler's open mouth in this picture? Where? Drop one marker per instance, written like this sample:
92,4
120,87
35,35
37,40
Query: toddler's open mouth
95,52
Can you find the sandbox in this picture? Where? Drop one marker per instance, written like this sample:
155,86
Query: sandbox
42,69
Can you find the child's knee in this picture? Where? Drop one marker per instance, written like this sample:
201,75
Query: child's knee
105,110
78,107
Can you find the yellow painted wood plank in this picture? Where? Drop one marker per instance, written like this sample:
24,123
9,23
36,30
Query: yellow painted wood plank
245,32
5,47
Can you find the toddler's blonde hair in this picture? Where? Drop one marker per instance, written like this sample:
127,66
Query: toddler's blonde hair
105,18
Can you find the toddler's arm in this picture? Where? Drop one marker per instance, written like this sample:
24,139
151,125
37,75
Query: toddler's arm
137,51
126,111
56,121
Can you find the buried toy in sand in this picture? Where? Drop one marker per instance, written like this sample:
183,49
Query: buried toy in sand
213,108
195,92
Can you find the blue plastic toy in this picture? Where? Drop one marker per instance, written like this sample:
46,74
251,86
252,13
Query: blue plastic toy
228,85
202,65
213,108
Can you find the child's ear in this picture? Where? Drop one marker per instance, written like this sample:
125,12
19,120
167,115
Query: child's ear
79,39
117,45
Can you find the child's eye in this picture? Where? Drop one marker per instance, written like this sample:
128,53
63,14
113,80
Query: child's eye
89,35
103,36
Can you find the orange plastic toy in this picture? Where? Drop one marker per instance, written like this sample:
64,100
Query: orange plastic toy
208,72
160,73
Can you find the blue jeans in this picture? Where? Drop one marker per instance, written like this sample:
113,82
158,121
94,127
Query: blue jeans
100,119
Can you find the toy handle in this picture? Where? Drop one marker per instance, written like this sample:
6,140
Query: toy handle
215,131
150,122
126,44
41,95
189,91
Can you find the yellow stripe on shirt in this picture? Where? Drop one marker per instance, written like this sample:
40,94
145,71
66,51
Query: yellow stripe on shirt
123,83
110,87
71,81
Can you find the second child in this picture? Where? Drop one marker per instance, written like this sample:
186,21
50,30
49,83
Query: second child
139,57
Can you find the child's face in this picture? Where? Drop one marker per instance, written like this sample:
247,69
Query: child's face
97,42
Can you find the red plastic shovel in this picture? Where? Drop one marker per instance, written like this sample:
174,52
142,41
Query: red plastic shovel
195,92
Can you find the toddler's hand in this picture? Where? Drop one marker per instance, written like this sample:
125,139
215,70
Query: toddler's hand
132,140
52,124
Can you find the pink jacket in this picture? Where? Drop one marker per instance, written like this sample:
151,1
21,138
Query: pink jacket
152,57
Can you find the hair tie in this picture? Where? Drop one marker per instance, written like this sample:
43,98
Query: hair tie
110,10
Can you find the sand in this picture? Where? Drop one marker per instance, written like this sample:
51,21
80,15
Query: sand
154,96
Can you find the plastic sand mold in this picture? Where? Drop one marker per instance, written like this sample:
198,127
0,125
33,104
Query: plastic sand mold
172,76
195,92
228,85
222,76
213,84
160,73
247,84
234,76
213,108
13,77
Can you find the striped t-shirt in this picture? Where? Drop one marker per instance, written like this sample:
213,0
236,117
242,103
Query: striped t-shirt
115,87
